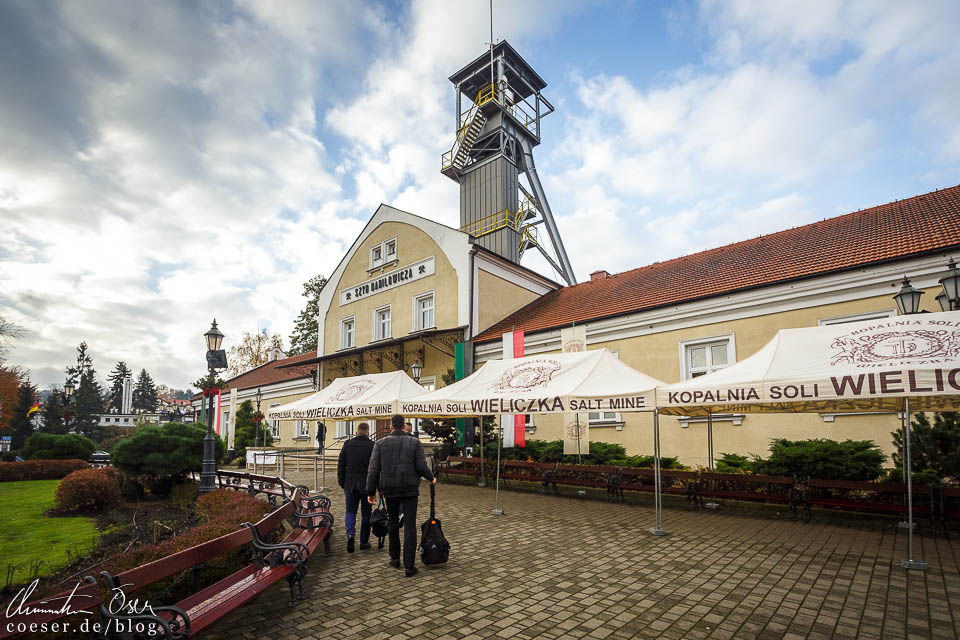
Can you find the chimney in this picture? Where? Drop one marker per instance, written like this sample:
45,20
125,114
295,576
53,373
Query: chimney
599,275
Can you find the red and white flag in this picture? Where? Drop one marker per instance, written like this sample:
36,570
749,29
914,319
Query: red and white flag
513,427
217,414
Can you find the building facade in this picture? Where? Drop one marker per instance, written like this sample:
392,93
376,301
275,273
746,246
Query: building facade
687,317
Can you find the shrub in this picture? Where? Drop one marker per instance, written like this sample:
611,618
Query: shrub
221,501
734,463
87,490
171,450
39,469
644,462
933,446
823,459
184,495
50,446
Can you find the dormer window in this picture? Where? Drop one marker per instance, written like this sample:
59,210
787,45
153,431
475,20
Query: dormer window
383,253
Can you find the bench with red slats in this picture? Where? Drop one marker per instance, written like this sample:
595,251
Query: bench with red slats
312,525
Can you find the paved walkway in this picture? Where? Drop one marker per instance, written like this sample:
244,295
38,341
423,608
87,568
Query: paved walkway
556,567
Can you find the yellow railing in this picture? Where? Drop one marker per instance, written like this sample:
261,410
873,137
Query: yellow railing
529,236
494,222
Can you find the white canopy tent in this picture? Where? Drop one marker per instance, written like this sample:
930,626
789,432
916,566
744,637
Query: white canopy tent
877,365
375,395
551,383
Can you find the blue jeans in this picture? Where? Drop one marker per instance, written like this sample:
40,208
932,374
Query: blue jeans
354,497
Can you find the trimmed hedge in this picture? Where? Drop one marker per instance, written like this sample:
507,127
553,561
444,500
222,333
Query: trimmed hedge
39,469
51,446
88,490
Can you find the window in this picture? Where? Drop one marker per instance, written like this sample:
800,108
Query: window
302,429
344,429
602,417
873,315
703,356
347,333
381,323
275,424
383,253
423,312
226,420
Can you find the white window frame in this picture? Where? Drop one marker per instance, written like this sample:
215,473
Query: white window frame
381,248
376,323
387,259
274,424
302,429
882,314
226,420
345,428
343,333
376,262
685,345
417,317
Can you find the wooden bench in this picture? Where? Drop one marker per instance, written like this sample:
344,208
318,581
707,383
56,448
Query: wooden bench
881,497
312,524
744,486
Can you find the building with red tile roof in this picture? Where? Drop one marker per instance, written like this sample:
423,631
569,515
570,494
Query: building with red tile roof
917,226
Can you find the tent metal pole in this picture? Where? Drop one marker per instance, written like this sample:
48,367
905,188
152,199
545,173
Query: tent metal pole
909,563
657,530
710,505
497,511
483,471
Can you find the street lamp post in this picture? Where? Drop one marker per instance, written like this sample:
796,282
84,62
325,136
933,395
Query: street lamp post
415,370
216,359
949,298
68,389
257,419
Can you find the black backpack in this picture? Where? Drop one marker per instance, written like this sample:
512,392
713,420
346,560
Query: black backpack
434,548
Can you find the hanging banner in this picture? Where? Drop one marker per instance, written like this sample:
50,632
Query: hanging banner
233,412
217,415
576,434
459,364
573,339
514,426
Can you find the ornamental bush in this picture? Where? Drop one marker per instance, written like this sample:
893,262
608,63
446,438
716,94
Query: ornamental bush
823,459
39,469
167,452
88,490
50,446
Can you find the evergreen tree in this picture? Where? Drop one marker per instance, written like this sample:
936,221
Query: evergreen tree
304,336
932,446
144,394
245,430
120,373
22,425
53,412
87,403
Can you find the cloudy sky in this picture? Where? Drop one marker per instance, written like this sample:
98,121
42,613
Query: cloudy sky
162,163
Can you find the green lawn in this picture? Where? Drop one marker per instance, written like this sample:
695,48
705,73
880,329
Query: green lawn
27,536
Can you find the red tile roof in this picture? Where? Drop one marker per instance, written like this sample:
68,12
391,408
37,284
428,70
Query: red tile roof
270,373
897,230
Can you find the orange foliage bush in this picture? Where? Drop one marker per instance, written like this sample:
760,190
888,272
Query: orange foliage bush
88,490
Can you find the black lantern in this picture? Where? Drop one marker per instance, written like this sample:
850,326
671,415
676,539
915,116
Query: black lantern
68,389
416,369
951,288
944,301
257,419
908,298
214,337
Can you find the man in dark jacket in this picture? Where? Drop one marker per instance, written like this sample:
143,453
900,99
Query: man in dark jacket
396,466
352,477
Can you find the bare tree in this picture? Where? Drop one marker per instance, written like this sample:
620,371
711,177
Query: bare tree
8,331
254,350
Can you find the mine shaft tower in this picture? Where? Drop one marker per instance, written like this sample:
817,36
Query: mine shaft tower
495,137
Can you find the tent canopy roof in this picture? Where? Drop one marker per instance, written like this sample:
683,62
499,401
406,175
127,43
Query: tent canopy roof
858,366
375,395
550,383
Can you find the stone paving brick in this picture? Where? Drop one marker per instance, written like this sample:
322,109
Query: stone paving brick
559,567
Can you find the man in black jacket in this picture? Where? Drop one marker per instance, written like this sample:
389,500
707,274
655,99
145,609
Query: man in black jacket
352,477
396,466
